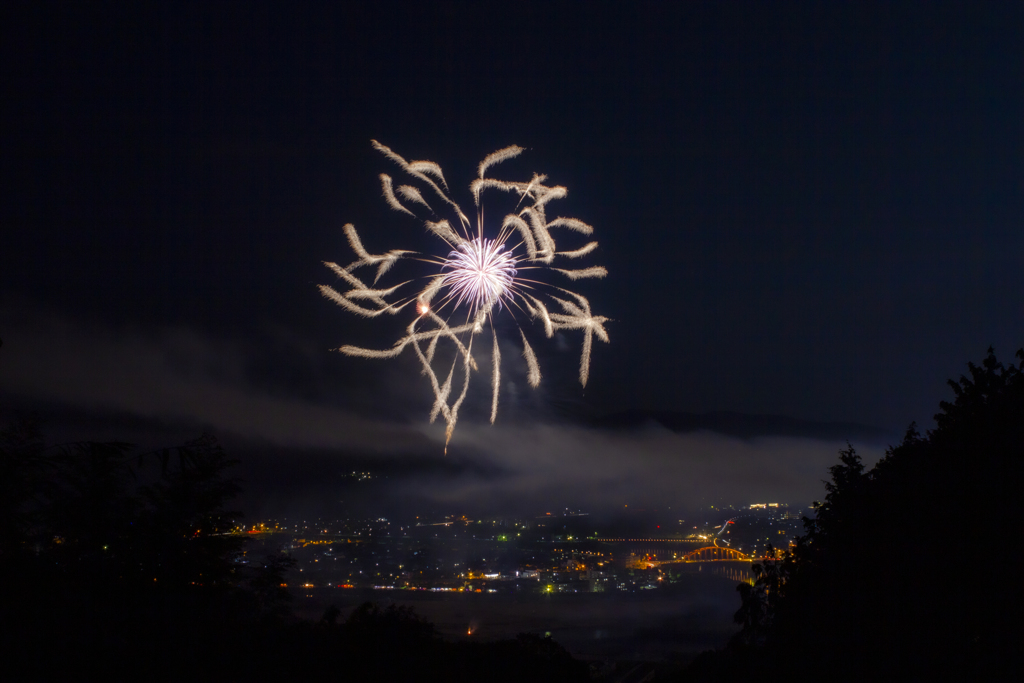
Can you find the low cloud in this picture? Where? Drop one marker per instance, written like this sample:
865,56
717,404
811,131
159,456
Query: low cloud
181,376
651,467
176,375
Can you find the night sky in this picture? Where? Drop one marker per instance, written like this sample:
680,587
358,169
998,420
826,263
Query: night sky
808,210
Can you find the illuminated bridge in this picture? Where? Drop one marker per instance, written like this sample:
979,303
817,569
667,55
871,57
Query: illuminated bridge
652,552
713,553
726,562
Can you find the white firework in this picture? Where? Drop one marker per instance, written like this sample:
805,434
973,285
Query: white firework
480,276
481,273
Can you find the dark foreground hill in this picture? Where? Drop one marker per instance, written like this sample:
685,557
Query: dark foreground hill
909,571
120,565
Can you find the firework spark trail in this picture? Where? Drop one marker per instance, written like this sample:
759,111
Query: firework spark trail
482,274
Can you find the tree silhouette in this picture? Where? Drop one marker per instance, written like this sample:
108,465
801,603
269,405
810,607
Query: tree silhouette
267,586
901,572
186,516
24,473
395,624
122,563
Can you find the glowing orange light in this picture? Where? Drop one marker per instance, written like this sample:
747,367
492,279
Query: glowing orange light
422,307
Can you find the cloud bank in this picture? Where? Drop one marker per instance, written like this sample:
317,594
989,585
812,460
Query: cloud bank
650,467
181,376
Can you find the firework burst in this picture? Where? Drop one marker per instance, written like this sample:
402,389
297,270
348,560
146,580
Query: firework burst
482,274
477,279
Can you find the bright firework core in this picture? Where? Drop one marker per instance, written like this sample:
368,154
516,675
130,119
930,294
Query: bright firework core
481,273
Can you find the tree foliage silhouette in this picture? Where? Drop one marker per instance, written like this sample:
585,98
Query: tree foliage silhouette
122,562
902,569
78,514
24,476
186,512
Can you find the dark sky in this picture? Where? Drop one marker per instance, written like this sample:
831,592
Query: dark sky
812,210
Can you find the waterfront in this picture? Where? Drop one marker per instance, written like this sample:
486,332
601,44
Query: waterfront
694,616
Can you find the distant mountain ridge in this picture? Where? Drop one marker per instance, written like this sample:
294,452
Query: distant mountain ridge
743,425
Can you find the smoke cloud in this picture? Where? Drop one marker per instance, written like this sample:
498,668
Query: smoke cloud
180,376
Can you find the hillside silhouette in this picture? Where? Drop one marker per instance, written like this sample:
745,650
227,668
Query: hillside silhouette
120,565
908,571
